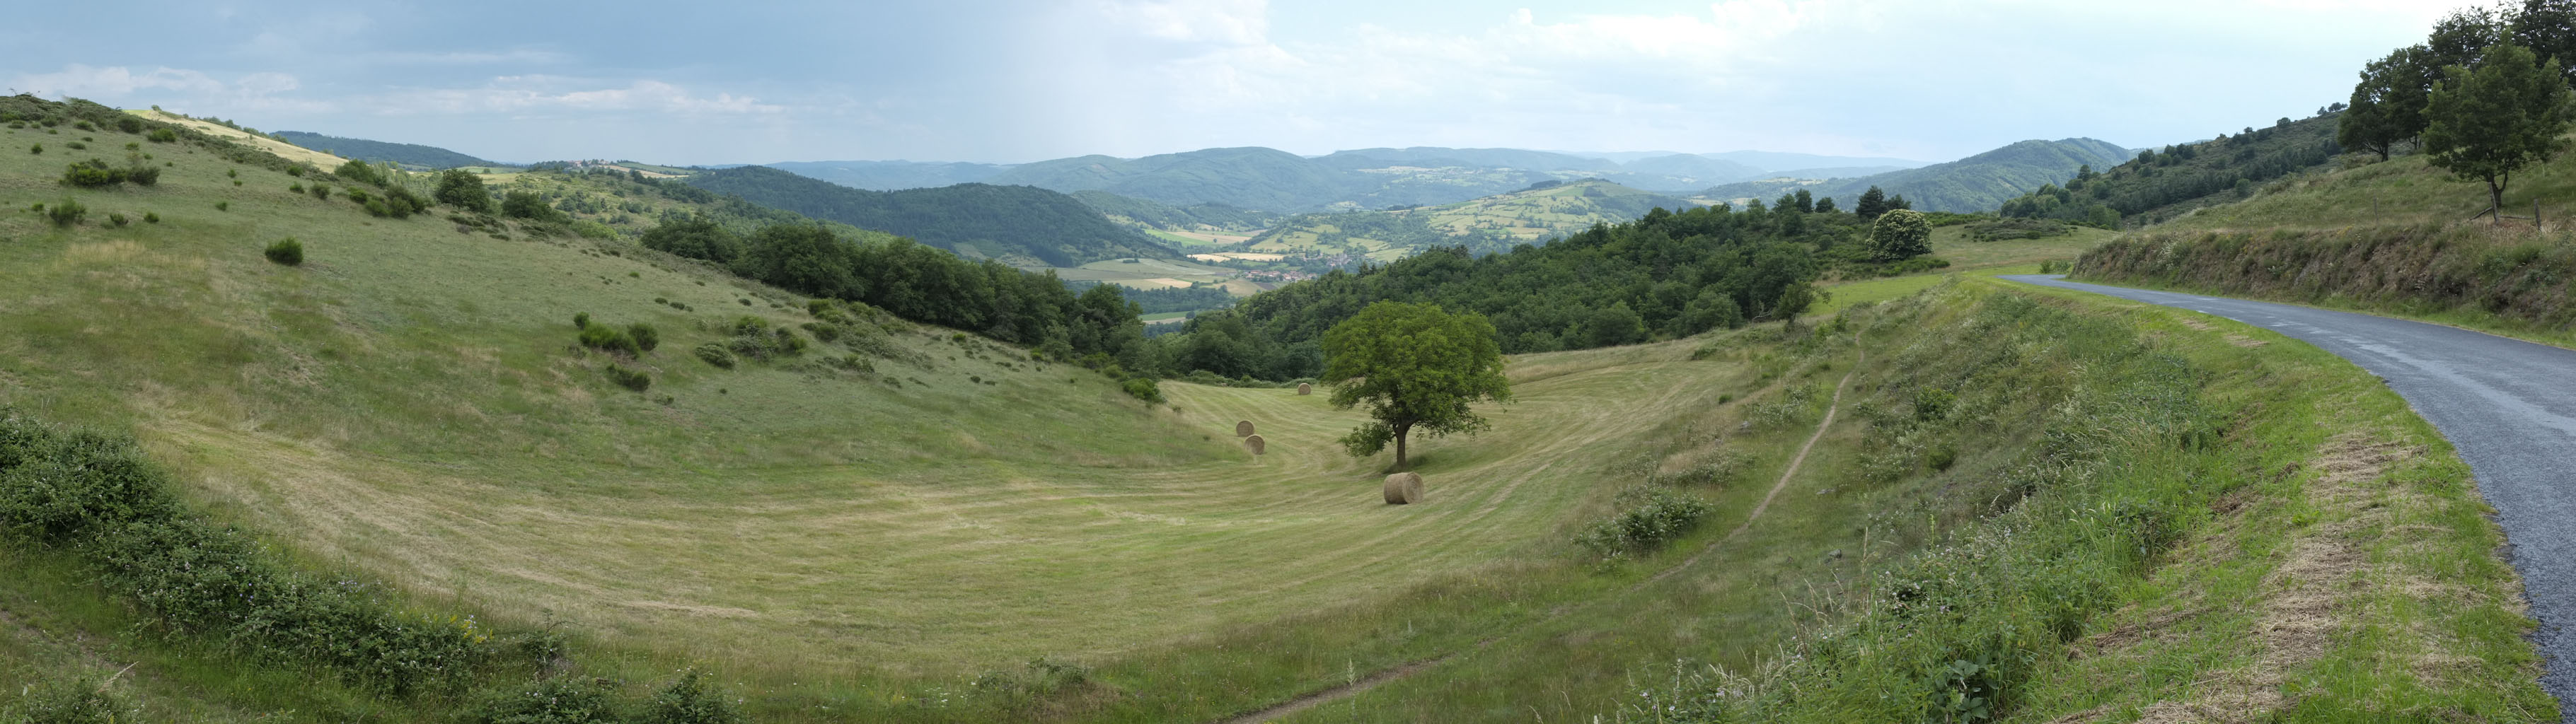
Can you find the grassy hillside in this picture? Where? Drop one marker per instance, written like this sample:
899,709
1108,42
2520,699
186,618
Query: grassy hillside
407,154
2389,237
1492,223
2159,185
1015,224
1976,183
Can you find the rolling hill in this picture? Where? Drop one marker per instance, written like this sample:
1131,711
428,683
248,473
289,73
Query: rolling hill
408,154
1977,183
1019,225
1494,223
893,175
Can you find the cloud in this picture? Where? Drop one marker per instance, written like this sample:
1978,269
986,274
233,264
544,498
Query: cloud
537,93
1226,22
81,81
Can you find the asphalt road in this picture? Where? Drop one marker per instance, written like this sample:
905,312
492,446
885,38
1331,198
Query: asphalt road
2508,405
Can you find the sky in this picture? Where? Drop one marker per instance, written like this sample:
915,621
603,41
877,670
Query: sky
1009,81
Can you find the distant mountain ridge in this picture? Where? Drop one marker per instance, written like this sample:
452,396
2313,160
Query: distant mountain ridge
409,154
1018,225
1491,224
1977,183
1263,179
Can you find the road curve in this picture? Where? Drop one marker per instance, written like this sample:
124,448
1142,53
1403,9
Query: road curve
2508,405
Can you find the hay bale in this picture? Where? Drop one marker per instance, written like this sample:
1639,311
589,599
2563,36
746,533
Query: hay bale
1403,488
1305,388
1243,428
1253,441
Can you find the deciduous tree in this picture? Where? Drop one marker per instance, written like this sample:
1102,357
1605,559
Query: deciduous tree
1900,234
1415,366
2484,124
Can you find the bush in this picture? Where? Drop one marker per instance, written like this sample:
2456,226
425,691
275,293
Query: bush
162,135
608,339
580,320
1659,517
401,203
38,149
565,699
528,205
320,191
92,173
130,124
690,700
361,172
223,206
151,218
462,190
1143,388
286,251
630,378
66,212
143,175
116,219
715,354
645,338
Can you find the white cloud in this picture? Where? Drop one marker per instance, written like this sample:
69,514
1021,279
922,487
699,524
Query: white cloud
114,82
530,93
1227,22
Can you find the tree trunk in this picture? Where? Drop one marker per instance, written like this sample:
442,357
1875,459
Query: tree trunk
1400,431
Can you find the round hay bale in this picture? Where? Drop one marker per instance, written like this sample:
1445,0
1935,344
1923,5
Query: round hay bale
1253,441
1403,488
1305,388
1243,428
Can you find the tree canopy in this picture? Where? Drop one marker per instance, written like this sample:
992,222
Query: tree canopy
1414,366
1900,234
2486,123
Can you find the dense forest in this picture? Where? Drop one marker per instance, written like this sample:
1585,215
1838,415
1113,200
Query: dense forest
1159,215
407,154
1014,224
1973,184
1665,275
2158,184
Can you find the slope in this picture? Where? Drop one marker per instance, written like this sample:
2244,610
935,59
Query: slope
1544,210
1976,183
1016,224
408,154
1251,178
2160,185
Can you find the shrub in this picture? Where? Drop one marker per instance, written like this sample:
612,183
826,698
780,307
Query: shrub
232,173
630,378
296,170
566,699
151,218
528,205
66,212
361,172
116,219
320,191
143,175
1659,517
1143,388
402,203
130,124
286,251
92,173
462,190
223,206
608,339
38,149
297,187
689,699
715,354
580,320
645,338
162,135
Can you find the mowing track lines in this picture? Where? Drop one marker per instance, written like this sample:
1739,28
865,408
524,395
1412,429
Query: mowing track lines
1319,697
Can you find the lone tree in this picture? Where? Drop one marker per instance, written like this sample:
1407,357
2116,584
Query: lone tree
2487,123
1900,234
1415,366
463,190
1872,203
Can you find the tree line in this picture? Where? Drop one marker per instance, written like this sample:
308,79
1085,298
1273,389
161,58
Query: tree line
2486,94
2160,178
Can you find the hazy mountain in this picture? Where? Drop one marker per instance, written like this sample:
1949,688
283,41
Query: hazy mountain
893,175
1016,224
1775,161
1546,210
1976,183
409,154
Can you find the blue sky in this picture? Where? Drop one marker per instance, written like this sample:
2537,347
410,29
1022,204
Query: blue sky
1012,81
